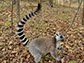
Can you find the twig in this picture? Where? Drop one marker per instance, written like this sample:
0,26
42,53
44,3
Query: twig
12,16
73,18
62,54
83,14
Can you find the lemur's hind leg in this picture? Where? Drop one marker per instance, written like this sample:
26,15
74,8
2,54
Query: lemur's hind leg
37,58
35,53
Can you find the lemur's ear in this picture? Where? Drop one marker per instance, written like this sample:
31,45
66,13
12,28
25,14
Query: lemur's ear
57,33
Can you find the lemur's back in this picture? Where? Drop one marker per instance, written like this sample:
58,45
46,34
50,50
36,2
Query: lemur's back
44,44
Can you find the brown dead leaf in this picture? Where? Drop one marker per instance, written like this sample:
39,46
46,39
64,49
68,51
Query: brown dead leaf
13,52
28,56
67,46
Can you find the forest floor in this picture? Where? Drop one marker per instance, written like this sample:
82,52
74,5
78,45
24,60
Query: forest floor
45,24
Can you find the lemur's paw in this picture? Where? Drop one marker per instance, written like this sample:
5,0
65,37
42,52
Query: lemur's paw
59,62
58,59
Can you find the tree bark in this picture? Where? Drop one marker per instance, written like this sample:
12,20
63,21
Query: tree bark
31,5
51,3
14,2
83,14
12,15
70,3
18,10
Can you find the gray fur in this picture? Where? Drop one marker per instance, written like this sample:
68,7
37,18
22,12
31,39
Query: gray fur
41,46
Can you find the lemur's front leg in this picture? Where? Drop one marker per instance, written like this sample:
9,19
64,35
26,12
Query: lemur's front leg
53,53
58,47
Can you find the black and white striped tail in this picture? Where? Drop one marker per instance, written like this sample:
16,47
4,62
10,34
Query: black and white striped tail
20,32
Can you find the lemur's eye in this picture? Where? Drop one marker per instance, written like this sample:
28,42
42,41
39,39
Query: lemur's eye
57,34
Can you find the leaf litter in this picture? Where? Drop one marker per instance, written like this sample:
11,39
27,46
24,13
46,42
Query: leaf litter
46,24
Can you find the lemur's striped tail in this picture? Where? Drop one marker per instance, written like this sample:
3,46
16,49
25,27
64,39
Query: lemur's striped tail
20,32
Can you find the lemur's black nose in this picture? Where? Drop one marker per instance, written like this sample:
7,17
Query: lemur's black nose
61,36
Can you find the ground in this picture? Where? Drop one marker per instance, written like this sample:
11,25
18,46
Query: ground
45,24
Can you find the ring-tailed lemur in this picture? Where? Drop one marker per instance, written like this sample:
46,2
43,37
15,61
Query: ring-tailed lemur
39,46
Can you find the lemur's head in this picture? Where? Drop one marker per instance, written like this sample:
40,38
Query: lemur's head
59,37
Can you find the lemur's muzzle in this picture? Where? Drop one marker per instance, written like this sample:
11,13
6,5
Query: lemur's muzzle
62,40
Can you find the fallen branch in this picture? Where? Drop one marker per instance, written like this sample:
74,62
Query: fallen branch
73,18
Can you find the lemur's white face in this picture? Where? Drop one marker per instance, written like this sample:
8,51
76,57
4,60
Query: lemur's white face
59,37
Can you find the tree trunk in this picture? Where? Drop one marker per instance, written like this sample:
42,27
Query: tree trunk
18,10
70,3
83,14
31,5
12,15
51,3
14,1
55,1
